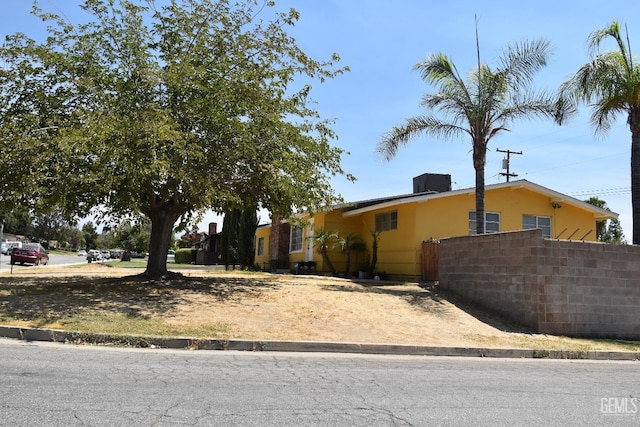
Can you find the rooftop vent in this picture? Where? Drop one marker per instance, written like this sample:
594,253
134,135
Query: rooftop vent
435,182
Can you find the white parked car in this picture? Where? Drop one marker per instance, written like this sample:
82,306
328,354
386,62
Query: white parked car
82,252
7,247
94,255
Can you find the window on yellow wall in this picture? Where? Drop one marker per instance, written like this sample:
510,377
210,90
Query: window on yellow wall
296,239
543,222
491,222
260,246
387,221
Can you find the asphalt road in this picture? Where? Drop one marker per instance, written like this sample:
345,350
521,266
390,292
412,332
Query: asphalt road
64,385
54,259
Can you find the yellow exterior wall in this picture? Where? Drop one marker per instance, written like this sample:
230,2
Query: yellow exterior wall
400,250
566,221
335,222
331,221
396,248
263,260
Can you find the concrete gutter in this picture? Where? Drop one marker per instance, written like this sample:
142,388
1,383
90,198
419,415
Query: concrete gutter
69,337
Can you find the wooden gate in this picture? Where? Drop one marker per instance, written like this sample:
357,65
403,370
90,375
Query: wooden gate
430,261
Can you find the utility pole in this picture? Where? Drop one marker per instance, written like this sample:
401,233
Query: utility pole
506,162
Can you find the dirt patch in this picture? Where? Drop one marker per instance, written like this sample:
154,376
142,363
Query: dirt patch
261,306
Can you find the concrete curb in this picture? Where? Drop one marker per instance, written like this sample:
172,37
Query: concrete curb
59,336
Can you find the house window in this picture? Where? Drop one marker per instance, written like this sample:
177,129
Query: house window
296,239
387,221
260,246
491,222
543,222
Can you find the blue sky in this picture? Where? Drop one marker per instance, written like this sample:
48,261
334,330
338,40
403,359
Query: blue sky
381,40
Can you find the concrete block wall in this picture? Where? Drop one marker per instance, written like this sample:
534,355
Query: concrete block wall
497,271
590,289
558,287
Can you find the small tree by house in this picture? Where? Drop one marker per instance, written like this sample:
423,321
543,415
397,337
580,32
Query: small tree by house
348,244
607,231
375,235
323,242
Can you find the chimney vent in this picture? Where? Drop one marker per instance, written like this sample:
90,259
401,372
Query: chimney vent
438,183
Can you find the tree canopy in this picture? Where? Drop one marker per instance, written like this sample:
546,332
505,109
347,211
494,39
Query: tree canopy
165,111
607,231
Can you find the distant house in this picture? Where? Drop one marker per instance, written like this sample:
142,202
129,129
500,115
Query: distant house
432,212
190,239
207,245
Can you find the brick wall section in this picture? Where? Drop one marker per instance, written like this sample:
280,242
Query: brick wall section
557,287
279,241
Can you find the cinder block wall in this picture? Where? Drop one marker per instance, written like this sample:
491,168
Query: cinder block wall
558,287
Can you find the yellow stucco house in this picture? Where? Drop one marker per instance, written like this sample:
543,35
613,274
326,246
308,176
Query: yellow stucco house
432,212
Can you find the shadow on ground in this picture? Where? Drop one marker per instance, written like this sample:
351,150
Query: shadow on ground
45,299
433,300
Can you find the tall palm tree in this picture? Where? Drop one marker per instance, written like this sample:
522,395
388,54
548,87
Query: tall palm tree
610,83
480,107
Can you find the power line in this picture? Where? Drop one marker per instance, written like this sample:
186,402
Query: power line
601,192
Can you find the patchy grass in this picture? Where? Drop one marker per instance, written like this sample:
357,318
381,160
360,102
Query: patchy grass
134,263
142,263
112,298
116,305
123,324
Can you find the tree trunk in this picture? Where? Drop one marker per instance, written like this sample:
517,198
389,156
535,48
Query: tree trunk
162,222
374,254
347,263
228,239
634,124
479,159
325,257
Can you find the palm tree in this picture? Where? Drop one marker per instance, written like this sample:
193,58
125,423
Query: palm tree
480,107
610,83
323,241
349,243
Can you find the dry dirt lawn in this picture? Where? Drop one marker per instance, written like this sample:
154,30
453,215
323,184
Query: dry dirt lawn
259,306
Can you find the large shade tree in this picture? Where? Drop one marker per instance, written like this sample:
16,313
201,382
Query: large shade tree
164,110
480,107
610,83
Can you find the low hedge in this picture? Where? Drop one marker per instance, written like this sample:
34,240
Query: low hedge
185,256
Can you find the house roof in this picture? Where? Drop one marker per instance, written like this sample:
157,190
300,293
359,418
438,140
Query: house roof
378,201
356,208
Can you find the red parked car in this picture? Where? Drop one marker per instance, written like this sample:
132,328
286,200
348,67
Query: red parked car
30,253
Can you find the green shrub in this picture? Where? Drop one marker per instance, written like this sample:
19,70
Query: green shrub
185,256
